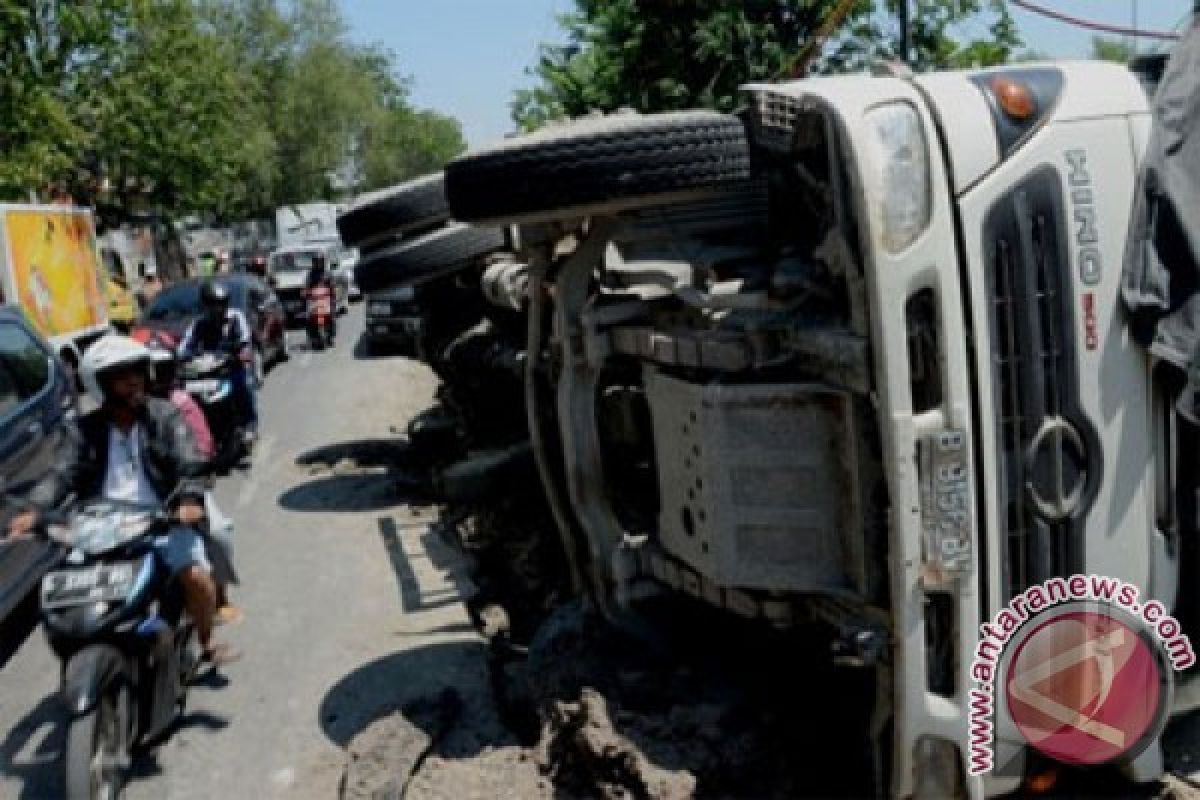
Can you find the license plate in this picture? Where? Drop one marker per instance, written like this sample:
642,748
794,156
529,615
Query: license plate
80,586
202,387
945,506
382,309
383,329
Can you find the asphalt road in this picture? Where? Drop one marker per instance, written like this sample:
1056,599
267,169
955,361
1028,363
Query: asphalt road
353,607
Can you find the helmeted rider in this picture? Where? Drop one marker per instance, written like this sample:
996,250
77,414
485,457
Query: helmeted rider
136,448
320,277
223,329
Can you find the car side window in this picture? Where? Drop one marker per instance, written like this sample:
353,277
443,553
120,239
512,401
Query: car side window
8,391
25,361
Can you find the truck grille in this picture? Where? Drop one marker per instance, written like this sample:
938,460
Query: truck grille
1035,379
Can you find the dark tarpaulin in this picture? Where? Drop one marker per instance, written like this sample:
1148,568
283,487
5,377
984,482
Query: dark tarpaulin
1161,280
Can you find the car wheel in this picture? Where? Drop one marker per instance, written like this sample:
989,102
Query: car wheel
433,255
379,217
599,166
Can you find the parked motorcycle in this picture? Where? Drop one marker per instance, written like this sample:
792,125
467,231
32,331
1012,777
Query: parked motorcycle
320,317
118,625
208,378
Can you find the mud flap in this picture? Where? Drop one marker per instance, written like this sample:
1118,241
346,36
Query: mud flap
88,674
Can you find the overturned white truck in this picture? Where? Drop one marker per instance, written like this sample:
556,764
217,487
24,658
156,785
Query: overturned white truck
855,360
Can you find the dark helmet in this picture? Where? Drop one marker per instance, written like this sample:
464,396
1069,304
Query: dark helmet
214,297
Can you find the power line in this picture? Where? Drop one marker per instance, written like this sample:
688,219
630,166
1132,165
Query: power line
1092,25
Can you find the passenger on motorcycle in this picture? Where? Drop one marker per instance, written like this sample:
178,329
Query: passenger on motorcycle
137,449
164,384
225,330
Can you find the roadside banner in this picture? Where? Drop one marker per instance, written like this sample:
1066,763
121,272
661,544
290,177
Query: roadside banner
55,268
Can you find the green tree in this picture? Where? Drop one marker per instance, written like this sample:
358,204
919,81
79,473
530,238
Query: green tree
226,106
172,129
331,108
688,53
1111,50
53,54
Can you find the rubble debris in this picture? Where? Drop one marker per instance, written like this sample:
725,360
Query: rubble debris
581,748
383,758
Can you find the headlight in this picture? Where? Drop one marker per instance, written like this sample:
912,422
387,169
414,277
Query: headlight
223,390
903,163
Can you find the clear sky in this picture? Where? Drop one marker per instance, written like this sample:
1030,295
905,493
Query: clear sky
468,56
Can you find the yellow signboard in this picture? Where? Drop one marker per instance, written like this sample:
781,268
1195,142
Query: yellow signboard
55,269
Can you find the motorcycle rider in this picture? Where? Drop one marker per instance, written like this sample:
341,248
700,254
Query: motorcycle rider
137,448
224,329
319,277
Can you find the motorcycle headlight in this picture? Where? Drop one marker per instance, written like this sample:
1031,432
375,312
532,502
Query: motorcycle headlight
221,392
902,161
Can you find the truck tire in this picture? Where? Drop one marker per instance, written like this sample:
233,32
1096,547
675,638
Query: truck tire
433,255
390,213
599,166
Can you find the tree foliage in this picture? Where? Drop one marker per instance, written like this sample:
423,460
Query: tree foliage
1111,50
232,106
671,54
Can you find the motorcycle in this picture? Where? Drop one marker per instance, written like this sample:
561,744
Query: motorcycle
320,318
119,627
208,378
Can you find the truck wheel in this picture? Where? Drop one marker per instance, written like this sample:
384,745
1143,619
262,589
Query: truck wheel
96,751
599,166
394,212
435,254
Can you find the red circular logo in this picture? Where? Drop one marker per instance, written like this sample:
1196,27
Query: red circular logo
1085,688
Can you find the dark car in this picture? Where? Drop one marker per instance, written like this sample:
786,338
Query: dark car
36,400
176,307
409,320
394,321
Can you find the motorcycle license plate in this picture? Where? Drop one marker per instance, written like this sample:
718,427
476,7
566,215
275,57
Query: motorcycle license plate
75,587
945,504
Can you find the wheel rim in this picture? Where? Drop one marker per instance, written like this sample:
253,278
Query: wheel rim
106,751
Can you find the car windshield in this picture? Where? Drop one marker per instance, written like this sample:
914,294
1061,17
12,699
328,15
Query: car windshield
295,261
182,301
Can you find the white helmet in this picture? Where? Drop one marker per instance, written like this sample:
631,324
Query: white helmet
109,352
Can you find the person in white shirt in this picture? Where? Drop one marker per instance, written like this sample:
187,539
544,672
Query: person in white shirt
138,449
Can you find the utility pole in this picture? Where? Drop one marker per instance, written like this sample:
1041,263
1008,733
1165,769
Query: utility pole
1133,39
905,32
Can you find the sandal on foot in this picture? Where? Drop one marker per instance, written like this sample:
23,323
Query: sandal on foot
220,654
228,615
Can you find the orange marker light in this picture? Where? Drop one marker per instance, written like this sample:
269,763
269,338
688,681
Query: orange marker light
1042,782
1014,98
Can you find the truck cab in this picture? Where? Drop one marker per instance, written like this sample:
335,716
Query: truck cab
989,211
